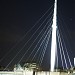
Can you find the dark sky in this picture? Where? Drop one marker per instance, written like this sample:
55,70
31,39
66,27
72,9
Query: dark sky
18,16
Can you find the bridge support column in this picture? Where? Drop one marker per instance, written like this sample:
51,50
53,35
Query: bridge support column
53,44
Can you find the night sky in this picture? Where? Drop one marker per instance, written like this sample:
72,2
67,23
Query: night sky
18,16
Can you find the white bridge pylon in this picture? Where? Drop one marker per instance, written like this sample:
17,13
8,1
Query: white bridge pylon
53,43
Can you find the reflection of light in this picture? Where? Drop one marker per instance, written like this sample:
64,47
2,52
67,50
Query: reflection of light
53,44
28,73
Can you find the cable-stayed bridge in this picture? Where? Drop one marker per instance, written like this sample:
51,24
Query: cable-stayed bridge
47,36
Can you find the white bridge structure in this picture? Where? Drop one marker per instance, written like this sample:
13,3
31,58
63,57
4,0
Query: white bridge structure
30,72
41,47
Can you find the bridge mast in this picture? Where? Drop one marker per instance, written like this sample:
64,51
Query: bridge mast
53,43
